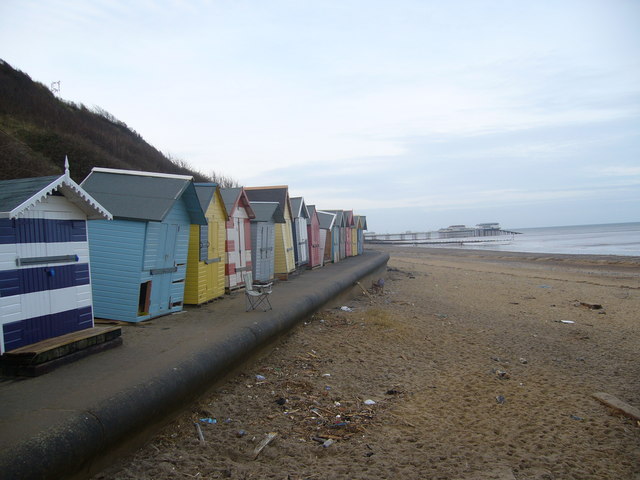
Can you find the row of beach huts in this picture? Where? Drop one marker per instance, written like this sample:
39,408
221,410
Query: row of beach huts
130,246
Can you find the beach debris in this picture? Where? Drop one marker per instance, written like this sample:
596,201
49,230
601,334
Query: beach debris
241,433
260,378
364,291
200,434
500,399
344,308
393,392
567,321
590,306
544,286
328,443
281,401
575,417
377,286
209,420
523,361
618,405
502,375
266,441
369,402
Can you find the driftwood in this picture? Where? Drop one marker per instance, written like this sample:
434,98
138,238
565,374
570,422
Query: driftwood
267,440
612,402
365,291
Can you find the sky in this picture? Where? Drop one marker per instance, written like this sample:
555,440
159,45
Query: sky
417,113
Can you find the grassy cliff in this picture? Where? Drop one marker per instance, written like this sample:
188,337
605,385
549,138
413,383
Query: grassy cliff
37,130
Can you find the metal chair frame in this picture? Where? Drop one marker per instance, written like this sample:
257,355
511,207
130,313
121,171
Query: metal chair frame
257,295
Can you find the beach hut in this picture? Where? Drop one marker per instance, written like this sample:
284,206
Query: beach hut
45,286
355,235
349,233
284,255
300,216
139,260
238,245
206,260
338,237
267,214
327,221
362,227
313,234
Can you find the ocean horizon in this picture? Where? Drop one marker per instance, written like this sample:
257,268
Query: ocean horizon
597,239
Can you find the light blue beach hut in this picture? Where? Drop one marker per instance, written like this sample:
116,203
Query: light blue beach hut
45,287
267,214
138,260
338,236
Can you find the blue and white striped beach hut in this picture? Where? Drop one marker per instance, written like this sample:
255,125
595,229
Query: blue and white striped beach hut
45,286
139,260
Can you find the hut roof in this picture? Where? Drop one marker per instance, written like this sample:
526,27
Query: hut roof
19,195
279,193
206,193
265,211
233,197
146,196
339,217
299,208
327,219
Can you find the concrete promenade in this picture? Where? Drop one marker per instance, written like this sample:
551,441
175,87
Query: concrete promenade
67,422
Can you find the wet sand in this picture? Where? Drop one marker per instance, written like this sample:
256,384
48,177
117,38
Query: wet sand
472,367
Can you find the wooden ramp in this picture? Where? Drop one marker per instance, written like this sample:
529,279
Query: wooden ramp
45,356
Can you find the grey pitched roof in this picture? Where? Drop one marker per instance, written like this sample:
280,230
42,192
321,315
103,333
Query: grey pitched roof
236,196
206,193
15,192
327,219
265,211
299,208
339,216
278,194
229,196
144,196
19,195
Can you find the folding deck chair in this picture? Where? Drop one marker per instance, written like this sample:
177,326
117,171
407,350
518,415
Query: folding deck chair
258,294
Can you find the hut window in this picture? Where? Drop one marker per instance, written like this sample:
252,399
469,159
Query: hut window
145,298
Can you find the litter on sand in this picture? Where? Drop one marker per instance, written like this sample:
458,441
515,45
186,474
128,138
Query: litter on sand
344,308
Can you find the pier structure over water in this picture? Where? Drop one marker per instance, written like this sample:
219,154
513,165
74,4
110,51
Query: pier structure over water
454,234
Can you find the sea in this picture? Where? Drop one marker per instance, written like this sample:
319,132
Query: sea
602,239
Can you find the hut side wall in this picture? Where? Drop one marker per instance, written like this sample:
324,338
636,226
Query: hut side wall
116,267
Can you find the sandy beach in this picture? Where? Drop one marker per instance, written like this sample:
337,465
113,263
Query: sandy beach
470,365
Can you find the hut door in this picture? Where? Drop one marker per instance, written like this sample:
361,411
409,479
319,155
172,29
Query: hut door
263,251
161,277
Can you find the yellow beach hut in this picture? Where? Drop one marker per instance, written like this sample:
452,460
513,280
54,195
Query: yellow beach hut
206,259
284,255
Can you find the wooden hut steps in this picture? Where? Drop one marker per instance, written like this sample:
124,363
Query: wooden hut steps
45,356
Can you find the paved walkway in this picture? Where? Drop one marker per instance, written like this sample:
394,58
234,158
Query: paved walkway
59,424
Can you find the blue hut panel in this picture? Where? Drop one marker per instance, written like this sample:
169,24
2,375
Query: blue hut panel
45,285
